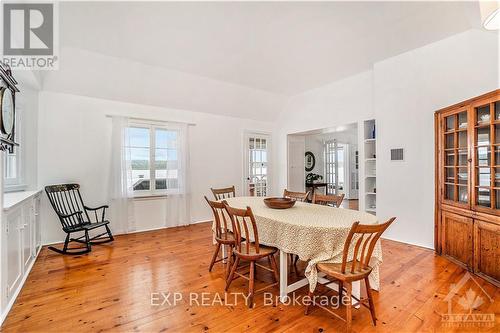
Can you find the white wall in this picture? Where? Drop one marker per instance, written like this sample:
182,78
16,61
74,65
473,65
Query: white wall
74,146
402,93
339,103
408,89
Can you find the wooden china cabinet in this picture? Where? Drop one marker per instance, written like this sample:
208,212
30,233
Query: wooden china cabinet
467,226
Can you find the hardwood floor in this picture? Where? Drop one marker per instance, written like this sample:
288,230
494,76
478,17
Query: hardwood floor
110,290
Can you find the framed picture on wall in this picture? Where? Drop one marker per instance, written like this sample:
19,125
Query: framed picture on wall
310,161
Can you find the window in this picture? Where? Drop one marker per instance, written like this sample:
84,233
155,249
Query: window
153,157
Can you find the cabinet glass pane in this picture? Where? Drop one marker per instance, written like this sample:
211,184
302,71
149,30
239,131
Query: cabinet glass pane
483,114
483,136
462,194
450,175
497,110
497,156
462,120
497,133
462,157
450,140
497,177
483,197
462,139
484,177
450,123
450,158
449,192
462,176
483,156
497,199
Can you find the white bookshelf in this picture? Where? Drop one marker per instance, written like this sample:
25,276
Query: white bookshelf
370,166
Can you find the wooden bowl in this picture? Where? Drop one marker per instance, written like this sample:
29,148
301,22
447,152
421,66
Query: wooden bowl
279,203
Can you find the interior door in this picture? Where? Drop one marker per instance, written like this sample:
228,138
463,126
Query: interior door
257,148
296,167
335,167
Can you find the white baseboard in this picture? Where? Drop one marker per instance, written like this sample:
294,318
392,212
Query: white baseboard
18,289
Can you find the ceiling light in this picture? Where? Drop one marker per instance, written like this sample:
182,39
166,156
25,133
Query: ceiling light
490,14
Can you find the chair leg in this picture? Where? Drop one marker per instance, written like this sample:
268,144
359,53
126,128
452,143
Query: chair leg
311,295
111,238
229,261
370,301
274,266
231,275
349,306
341,287
66,242
214,257
87,240
251,284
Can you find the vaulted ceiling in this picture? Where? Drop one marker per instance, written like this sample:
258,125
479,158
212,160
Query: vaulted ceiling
267,50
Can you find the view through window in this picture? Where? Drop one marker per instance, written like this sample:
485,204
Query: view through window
153,157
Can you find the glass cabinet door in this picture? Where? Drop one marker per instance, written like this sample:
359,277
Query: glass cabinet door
487,155
456,155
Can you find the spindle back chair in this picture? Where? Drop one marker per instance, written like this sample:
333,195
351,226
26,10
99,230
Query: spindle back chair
299,196
74,216
328,200
248,248
355,266
224,193
223,234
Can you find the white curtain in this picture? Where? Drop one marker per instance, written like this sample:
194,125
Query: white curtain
178,200
120,190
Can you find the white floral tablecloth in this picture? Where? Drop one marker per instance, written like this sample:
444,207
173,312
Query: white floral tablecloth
313,232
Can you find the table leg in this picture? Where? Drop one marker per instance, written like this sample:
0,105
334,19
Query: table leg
283,276
223,253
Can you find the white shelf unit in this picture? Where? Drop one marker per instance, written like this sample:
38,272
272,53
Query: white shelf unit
370,166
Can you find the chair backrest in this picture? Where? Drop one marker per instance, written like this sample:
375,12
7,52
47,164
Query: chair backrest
364,237
221,218
299,196
328,200
224,193
66,199
244,227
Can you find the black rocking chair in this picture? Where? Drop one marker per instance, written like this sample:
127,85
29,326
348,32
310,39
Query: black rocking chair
74,216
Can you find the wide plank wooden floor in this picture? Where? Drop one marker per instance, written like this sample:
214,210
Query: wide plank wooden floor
110,290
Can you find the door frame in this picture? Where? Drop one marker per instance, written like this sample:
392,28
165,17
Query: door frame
244,142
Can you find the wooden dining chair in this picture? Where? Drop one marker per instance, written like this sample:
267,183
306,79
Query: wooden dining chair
328,200
223,235
362,239
223,193
299,196
243,223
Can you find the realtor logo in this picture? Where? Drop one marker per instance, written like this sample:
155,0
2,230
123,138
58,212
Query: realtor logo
464,316
29,35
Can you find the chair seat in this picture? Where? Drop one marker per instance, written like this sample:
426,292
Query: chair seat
264,251
86,226
335,270
226,238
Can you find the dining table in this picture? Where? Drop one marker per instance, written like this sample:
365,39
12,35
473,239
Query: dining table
315,233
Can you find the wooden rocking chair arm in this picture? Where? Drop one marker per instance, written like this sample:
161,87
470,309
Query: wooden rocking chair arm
97,208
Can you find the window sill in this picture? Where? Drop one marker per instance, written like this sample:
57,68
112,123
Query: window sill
149,197
14,188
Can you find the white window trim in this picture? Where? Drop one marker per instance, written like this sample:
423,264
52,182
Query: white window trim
17,184
151,126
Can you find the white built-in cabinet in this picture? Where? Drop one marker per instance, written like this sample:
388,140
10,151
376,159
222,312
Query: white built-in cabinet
20,243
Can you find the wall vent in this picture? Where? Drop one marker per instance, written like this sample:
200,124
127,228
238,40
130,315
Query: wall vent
397,154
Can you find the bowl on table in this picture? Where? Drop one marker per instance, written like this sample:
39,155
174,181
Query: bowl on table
279,203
